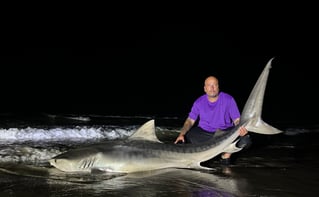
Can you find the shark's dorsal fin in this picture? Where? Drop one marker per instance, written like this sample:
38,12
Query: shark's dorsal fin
146,132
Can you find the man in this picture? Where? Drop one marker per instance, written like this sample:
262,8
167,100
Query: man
216,111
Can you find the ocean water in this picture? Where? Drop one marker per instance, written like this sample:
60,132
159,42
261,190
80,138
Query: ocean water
279,165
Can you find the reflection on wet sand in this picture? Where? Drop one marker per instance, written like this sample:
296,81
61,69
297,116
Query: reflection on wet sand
175,181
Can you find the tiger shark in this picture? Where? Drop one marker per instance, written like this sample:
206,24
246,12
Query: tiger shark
143,151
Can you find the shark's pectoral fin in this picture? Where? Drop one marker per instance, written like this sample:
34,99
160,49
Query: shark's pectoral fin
232,148
106,174
96,170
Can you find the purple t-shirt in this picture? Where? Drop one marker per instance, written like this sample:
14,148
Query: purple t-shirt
215,115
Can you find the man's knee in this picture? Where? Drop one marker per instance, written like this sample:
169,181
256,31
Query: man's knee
244,142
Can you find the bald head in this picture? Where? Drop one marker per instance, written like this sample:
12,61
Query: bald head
211,79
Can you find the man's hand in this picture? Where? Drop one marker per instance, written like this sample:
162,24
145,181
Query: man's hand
242,131
179,138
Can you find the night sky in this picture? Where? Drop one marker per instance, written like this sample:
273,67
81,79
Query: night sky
157,67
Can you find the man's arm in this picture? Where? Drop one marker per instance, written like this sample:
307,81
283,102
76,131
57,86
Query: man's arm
186,127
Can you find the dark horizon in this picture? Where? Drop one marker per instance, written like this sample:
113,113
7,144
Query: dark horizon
159,70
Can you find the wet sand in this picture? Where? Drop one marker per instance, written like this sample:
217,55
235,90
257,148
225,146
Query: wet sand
258,171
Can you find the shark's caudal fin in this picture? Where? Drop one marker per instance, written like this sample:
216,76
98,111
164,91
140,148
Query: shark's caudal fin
251,114
146,132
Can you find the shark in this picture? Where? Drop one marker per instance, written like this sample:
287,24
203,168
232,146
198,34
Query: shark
143,151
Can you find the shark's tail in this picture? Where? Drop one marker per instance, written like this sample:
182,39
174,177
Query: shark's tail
251,114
